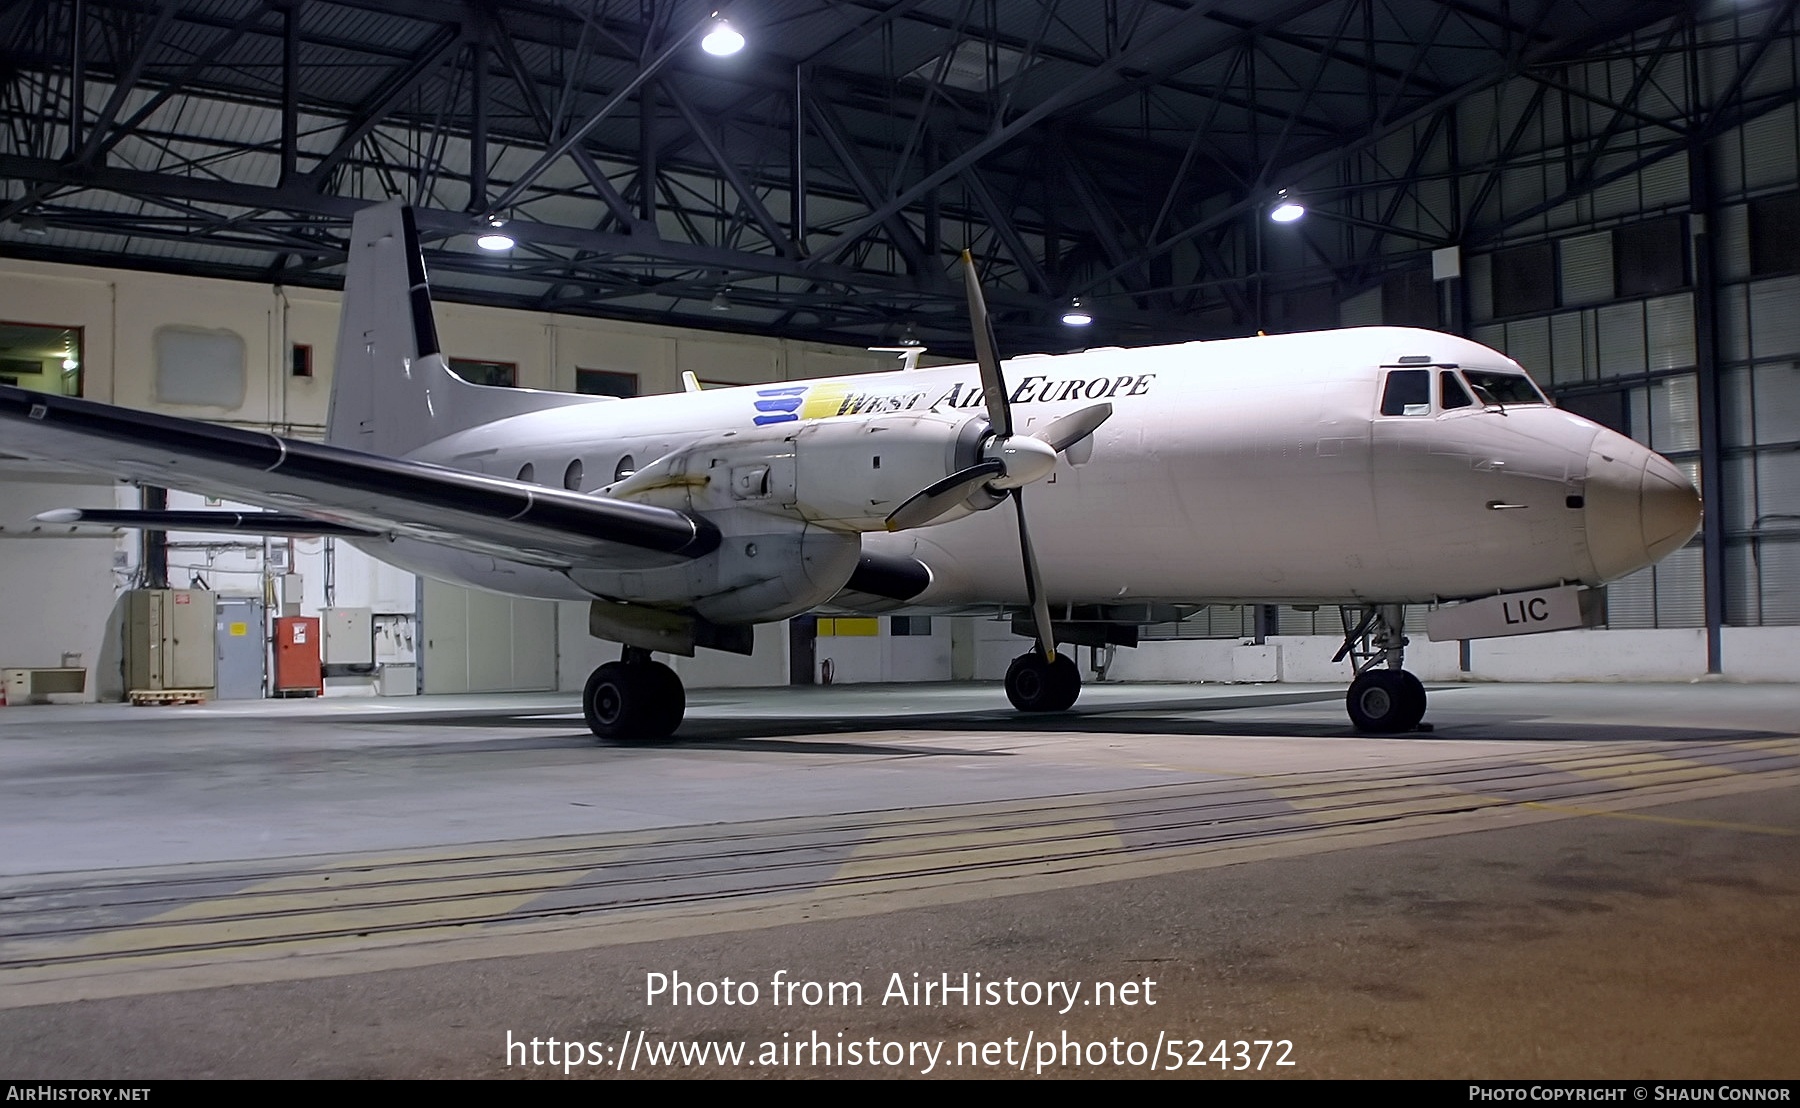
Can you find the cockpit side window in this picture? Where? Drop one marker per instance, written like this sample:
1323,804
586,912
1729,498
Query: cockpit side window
1451,391
1408,392
1493,386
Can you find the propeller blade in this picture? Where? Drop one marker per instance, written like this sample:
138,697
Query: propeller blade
942,496
1034,583
993,384
1063,433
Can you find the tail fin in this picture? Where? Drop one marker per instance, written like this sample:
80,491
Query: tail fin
392,390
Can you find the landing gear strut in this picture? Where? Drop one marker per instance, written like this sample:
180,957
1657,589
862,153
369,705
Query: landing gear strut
1035,685
633,699
1383,698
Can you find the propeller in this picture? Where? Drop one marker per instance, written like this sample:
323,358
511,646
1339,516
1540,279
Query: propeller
1010,461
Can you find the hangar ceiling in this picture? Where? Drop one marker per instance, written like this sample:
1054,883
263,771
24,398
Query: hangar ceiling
821,183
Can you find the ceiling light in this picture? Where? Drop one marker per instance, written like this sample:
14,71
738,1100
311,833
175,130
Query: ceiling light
1075,315
1287,208
34,225
721,302
69,362
494,238
723,39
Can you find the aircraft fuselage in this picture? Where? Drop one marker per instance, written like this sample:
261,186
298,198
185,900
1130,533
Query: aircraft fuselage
1261,469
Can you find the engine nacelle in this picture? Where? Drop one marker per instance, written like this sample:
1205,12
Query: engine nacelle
842,474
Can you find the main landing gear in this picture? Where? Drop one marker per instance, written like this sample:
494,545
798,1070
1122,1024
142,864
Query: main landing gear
1384,698
1036,685
633,699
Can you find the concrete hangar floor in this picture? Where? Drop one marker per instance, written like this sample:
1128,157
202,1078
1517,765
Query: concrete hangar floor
1577,881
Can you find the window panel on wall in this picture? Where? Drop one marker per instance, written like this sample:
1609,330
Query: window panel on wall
1568,349
1361,310
1631,601
1736,406
478,372
42,357
1680,589
1605,408
1637,415
1621,339
199,366
1739,479
1650,258
1769,149
1779,561
1743,589
1664,184
1775,407
1775,317
1669,321
1778,486
1587,268
1410,299
1674,405
1524,280
1774,234
1528,343
606,382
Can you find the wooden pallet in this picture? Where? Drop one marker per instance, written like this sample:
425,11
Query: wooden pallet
141,697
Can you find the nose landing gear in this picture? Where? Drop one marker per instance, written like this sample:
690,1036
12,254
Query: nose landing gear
1036,685
1384,699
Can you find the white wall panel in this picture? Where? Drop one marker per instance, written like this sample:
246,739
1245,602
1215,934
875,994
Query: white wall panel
1621,337
1587,268
1775,317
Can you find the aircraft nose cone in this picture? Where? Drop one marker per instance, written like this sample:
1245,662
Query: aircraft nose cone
1639,506
1671,507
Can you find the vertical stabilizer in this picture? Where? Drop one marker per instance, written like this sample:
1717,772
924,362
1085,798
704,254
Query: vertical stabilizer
392,390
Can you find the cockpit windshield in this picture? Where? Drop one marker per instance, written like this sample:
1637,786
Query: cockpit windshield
1494,387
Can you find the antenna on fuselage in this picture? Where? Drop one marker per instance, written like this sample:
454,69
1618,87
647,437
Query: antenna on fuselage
908,355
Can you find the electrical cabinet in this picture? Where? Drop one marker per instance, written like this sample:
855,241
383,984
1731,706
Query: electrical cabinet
169,639
297,670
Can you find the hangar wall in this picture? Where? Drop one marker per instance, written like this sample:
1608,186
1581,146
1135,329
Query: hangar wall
61,590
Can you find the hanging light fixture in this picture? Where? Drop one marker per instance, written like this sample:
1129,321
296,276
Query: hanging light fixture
494,238
1075,315
723,39
721,302
1286,208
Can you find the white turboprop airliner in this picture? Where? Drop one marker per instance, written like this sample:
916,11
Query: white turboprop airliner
1368,468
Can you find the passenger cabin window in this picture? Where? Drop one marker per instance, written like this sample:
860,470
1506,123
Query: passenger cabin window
1451,391
1408,393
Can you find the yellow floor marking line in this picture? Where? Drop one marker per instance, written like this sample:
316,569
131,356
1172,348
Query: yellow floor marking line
1678,821
1641,768
975,841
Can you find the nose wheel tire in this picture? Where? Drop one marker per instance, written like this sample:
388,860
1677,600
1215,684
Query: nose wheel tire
1386,701
633,701
1034,685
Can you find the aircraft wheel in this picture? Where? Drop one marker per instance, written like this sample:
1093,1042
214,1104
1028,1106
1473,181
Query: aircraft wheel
1386,701
633,702
669,698
1034,685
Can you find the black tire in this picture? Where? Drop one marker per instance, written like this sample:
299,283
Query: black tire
1034,685
633,703
669,699
1386,701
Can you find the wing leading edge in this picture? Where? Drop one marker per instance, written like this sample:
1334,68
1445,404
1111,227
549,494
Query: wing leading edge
394,497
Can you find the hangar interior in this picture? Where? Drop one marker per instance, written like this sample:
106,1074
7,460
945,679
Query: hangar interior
1607,191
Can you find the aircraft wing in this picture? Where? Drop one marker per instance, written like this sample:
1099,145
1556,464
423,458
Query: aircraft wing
384,496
